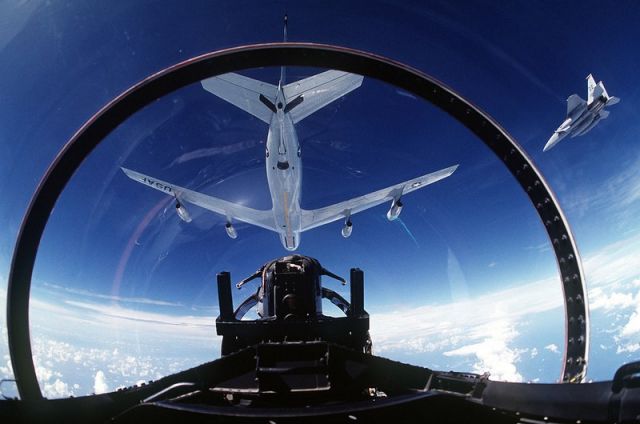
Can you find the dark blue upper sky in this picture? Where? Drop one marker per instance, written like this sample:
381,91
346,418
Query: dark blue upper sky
470,234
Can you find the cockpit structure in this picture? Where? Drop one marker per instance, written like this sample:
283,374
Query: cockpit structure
292,363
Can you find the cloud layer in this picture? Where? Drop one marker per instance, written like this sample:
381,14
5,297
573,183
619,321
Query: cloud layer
484,330
94,347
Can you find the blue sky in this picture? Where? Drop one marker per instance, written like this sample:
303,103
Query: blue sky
117,251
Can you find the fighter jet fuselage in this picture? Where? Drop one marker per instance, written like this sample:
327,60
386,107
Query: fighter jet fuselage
582,115
582,118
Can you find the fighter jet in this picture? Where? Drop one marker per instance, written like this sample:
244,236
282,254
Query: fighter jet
581,115
281,107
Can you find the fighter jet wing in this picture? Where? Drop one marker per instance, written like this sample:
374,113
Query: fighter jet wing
317,217
310,94
574,102
260,218
252,96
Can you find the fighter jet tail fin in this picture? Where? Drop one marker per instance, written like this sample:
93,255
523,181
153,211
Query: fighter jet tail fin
596,91
591,86
600,91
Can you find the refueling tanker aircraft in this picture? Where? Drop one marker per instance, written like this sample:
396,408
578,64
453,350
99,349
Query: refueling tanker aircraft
281,107
581,115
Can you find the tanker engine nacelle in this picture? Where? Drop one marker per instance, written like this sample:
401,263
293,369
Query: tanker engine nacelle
182,212
231,232
347,229
394,211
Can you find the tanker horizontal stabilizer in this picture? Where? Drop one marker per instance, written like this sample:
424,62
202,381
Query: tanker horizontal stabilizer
313,93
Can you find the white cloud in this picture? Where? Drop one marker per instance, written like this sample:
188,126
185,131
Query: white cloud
49,379
213,151
493,354
540,248
612,274
6,370
613,197
613,264
57,389
92,318
64,369
552,348
481,329
437,327
599,299
432,327
630,348
43,373
126,345
118,312
87,293
100,383
633,325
